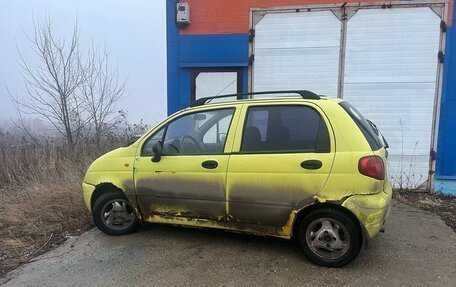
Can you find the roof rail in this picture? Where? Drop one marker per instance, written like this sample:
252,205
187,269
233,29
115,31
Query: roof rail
303,93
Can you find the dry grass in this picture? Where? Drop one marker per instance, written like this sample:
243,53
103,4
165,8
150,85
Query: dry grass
41,201
36,217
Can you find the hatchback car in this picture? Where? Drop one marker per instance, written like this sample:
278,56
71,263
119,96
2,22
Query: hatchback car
308,167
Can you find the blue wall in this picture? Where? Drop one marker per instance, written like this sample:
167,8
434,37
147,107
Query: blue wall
446,146
228,50
186,52
173,71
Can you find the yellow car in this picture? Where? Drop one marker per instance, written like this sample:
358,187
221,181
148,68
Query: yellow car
306,167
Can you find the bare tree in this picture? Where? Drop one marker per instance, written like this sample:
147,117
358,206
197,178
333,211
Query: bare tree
24,125
51,87
75,92
101,90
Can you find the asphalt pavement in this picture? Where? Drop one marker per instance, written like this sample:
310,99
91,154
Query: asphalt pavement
417,249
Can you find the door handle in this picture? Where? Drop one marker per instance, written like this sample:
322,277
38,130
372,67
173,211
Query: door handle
312,164
209,164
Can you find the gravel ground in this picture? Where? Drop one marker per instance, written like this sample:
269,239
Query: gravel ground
444,206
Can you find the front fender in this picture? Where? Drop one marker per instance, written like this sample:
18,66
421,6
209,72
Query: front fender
114,168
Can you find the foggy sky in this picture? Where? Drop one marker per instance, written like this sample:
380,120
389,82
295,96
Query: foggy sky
133,31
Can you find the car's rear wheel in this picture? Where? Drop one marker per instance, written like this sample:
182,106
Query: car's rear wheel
113,214
329,237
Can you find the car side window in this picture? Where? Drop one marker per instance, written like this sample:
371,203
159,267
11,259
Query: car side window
147,148
284,129
218,132
198,133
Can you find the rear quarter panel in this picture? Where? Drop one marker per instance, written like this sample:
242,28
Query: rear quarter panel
367,198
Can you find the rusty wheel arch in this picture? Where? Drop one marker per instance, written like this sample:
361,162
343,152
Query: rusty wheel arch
102,188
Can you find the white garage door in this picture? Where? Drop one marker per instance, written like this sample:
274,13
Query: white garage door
390,71
297,51
390,76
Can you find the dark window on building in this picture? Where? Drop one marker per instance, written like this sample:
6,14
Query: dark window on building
284,129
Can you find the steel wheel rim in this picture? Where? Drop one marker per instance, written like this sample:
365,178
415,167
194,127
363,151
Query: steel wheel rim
328,238
118,214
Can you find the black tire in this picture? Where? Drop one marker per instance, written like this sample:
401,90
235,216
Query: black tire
101,205
343,223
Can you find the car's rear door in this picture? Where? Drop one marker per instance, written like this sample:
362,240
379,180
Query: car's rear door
282,155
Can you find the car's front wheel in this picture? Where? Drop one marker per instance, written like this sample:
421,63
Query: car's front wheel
113,214
329,237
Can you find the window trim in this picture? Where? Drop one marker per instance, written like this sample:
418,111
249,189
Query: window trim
166,125
283,151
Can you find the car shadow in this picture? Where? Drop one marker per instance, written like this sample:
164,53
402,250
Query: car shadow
217,236
237,242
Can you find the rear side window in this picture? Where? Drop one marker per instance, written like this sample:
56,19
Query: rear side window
363,125
284,129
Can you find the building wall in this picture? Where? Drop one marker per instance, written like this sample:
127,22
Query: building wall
225,17
186,52
218,37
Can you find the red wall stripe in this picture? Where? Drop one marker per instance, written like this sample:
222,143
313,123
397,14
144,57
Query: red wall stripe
232,16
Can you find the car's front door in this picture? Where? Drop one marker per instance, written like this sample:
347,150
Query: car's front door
282,156
189,179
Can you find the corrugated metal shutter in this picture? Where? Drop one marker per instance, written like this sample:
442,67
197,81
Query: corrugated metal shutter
390,76
390,71
298,50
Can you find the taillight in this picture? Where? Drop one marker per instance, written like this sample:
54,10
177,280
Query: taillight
372,166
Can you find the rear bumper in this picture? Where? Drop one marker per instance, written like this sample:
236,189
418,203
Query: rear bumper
87,190
371,210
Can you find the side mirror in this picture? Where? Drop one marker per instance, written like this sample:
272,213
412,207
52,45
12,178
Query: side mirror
157,150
